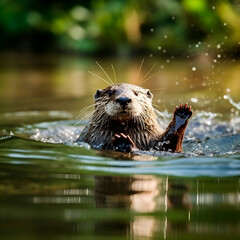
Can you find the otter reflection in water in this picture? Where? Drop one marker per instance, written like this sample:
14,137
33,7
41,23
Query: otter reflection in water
143,202
124,120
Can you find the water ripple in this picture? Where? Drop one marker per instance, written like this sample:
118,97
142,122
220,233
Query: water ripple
185,167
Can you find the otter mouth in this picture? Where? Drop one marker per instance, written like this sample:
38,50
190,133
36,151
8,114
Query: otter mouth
124,116
123,112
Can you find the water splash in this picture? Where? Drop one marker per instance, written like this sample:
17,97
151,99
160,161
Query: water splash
207,134
229,98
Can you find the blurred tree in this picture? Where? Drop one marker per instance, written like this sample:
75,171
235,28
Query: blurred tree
173,27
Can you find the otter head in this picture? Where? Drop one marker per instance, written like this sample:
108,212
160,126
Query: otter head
124,102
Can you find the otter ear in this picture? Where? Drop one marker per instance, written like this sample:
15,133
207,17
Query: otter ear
98,93
149,94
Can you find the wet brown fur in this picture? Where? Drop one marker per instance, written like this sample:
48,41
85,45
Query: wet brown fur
132,124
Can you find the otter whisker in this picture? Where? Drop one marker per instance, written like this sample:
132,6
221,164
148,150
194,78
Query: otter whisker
149,71
98,116
104,98
85,117
102,103
144,105
99,77
155,104
111,81
158,113
140,68
114,73
84,110
150,77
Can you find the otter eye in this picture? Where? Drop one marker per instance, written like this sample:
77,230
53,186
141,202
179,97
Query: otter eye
136,93
111,92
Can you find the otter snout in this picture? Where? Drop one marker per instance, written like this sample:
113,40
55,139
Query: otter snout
123,101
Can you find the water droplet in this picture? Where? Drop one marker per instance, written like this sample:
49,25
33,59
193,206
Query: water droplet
228,90
152,29
206,54
151,55
213,7
165,36
177,83
164,50
196,45
168,61
219,46
219,55
234,104
159,47
195,100
215,60
162,66
225,24
173,18
194,69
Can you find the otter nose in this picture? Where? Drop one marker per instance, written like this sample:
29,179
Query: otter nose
123,100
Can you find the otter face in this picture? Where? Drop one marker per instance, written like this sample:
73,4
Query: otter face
124,101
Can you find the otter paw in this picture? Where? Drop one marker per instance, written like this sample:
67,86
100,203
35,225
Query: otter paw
123,143
181,116
183,111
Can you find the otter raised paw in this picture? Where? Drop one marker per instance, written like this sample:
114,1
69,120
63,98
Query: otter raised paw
123,143
181,115
173,136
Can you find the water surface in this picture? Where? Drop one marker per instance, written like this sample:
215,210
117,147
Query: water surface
53,189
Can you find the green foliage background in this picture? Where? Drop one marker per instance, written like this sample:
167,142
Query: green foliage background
179,27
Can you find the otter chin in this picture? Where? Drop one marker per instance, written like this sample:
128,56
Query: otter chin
123,117
125,120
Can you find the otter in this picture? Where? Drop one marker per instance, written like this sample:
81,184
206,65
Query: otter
125,120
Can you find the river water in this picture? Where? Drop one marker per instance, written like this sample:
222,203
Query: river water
52,188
